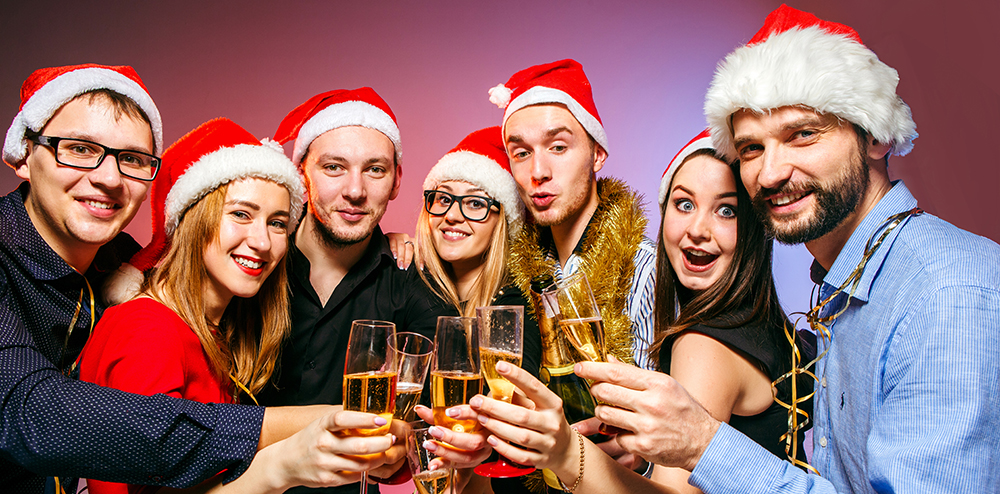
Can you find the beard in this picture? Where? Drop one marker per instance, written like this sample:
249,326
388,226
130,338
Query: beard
835,201
574,204
334,239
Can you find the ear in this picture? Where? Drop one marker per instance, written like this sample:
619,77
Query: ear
599,156
396,180
877,150
21,167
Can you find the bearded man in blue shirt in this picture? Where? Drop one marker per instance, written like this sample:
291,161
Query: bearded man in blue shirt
908,310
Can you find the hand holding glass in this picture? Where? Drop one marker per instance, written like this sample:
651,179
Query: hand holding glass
455,374
426,481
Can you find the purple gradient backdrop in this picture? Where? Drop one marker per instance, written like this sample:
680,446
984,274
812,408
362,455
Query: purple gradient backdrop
650,63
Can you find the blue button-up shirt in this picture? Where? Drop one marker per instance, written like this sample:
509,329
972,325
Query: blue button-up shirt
51,425
907,399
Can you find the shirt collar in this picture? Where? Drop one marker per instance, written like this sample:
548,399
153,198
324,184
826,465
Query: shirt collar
897,200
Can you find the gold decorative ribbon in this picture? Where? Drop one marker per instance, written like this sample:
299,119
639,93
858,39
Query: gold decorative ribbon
797,418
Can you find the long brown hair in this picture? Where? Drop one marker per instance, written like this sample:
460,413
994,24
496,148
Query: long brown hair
440,277
250,333
747,282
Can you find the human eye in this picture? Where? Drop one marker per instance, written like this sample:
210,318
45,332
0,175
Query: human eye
131,159
333,168
239,214
559,148
684,205
378,171
443,199
476,203
749,151
726,211
519,154
80,148
278,224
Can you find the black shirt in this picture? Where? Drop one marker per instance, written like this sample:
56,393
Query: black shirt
53,425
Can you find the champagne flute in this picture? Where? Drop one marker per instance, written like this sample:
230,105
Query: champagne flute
501,338
455,374
426,481
573,304
412,353
370,377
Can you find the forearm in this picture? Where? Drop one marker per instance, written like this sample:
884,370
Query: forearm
602,474
281,422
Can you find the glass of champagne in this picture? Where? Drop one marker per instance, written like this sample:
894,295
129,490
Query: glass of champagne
426,481
412,353
501,338
572,302
370,377
455,374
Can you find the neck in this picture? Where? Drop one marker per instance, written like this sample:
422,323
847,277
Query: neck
466,274
328,263
567,234
215,306
826,248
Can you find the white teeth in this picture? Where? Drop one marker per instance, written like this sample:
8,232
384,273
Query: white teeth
781,201
248,263
698,253
456,234
100,205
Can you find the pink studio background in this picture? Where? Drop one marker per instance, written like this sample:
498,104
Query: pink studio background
650,63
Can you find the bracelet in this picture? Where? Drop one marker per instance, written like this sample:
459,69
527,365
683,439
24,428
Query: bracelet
583,457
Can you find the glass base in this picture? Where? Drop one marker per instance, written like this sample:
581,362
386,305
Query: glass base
502,469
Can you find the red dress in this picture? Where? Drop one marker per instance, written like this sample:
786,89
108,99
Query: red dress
142,346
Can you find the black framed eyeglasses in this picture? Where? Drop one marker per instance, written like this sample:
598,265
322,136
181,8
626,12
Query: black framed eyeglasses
88,155
473,208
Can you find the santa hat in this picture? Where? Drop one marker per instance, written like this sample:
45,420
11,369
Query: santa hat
339,108
481,159
214,154
701,141
557,82
797,59
47,90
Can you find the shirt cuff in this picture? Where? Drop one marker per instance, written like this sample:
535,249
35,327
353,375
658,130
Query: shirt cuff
735,463
236,437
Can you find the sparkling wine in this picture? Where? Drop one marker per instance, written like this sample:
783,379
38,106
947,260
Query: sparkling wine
451,388
431,481
586,336
407,396
372,392
502,389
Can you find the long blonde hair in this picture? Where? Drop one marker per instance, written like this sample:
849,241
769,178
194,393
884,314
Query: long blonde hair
441,278
251,331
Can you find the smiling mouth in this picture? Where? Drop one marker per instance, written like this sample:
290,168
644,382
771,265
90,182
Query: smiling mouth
699,258
788,199
100,205
249,264
453,235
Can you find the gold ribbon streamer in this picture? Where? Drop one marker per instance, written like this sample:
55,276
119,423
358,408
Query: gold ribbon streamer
819,325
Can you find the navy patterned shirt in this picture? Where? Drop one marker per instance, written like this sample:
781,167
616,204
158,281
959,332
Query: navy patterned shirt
51,425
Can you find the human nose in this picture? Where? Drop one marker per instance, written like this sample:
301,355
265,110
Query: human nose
541,172
699,229
775,168
354,189
107,173
454,214
259,237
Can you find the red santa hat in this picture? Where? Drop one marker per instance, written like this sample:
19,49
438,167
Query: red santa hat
339,108
797,59
47,90
481,159
215,153
701,141
557,82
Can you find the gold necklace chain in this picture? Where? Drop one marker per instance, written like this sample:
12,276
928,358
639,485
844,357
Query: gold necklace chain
798,419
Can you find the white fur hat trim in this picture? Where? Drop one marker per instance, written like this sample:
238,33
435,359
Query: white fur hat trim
482,172
233,163
49,98
346,114
668,176
540,95
829,73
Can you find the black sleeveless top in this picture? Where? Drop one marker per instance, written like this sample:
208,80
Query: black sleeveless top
769,350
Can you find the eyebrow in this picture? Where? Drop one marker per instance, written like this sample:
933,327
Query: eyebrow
811,120
449,188
75,134
718,196
548,134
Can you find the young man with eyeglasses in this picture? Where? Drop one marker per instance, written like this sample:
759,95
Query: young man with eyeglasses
347,144
86,141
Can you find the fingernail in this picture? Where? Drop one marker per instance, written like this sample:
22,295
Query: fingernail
503,366
451,412
380,421
392,438
436,432
483,419
577,368
476,402
432,466
492,440
429,445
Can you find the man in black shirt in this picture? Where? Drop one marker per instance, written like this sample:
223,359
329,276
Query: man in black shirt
340,268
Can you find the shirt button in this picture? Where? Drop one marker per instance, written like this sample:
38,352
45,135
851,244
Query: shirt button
822,441
823,381
311,365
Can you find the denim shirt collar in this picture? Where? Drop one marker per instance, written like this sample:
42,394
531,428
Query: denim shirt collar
897,200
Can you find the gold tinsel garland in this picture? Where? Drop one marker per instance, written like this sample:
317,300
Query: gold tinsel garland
606,256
